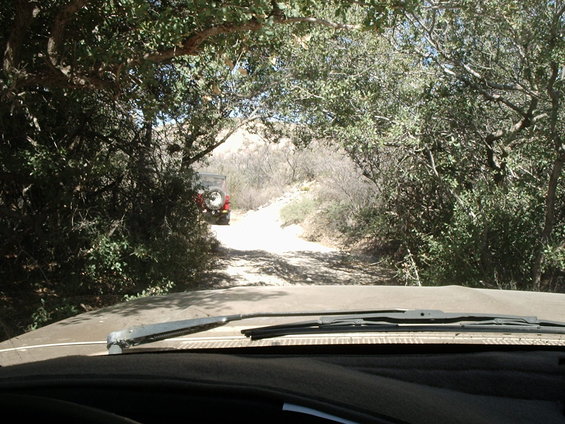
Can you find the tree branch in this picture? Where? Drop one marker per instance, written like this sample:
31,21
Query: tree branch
189,161
60,80
191,45
54,42
61,74
468,70
515,129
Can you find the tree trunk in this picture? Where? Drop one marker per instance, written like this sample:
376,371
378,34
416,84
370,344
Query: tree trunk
549,219
24,15
497,165
556,170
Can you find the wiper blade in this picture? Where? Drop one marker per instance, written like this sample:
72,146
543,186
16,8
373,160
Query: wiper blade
409,320
118,341
334,321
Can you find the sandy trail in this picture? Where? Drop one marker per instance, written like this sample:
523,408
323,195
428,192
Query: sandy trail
257,250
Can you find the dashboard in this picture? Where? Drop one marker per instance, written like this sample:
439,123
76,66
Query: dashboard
380,384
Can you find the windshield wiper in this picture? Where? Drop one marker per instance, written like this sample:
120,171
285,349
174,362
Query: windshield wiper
336,322
410,320
118,341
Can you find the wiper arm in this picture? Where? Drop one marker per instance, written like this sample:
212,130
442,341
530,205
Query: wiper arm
334,321
118,341
409,320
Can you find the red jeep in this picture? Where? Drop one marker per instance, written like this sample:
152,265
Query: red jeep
212,197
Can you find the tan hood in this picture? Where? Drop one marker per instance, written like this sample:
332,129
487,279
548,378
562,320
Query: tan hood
85,334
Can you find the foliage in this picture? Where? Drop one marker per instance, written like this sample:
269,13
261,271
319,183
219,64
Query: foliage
105,107
493,249
451,112
297,210
45,314
78,231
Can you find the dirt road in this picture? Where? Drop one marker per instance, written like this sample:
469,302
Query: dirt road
257,250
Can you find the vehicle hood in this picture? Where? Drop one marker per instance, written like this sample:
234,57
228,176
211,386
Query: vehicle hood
86,334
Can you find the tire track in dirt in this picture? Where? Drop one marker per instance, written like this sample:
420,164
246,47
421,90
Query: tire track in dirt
257,250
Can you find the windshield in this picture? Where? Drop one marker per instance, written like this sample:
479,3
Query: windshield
166,148
210,180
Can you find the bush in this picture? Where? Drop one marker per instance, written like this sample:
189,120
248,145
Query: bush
297,211
91,212
492,249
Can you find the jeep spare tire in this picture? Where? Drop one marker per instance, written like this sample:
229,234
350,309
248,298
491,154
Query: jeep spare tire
214,199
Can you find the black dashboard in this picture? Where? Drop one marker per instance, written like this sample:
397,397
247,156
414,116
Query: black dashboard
384,385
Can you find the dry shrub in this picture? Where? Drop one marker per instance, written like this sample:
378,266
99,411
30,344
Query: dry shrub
335,191
258,171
